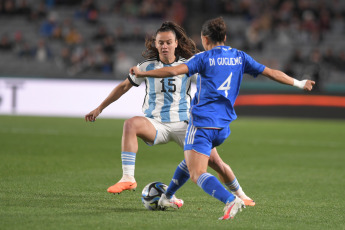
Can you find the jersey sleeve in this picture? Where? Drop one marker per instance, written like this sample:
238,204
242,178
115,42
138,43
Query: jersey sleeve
251,66
134,80
194,65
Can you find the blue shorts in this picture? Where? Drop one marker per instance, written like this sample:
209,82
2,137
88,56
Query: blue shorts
204,140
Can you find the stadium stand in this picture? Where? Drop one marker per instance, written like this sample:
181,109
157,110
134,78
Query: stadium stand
99,39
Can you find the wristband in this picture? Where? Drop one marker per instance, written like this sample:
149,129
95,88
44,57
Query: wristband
299,84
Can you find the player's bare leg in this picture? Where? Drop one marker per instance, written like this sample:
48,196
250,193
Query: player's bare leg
132,129
227,176
197,164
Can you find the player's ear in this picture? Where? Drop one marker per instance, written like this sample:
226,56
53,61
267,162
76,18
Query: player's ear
225,39
207,40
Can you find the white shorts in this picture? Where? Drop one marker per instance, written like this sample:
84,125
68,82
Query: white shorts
171,131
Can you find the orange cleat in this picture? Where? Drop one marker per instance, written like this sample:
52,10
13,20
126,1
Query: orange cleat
249,202
121,186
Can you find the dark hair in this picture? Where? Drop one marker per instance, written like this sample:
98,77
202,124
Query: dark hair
186,47
215,29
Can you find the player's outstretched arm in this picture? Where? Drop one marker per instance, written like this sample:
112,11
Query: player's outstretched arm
115,94
161,73
283,78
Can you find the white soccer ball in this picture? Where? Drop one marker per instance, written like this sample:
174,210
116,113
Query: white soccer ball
151,194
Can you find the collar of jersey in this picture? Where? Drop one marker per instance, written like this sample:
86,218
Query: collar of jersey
176,59
219,47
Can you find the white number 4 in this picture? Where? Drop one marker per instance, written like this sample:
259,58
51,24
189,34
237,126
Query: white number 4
226,85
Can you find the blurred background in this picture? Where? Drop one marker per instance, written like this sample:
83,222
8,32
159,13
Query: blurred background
102,39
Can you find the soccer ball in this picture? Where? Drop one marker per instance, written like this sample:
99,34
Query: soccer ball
151,194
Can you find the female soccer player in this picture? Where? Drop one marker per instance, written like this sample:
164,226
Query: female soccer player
166,108
221,69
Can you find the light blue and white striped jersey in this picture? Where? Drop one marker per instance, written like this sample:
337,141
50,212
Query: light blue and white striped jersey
166,99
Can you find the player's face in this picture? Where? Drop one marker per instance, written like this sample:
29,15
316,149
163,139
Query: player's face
166,44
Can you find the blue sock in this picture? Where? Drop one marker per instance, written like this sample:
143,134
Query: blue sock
211,185
180,177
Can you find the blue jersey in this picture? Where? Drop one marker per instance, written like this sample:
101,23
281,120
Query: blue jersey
220,71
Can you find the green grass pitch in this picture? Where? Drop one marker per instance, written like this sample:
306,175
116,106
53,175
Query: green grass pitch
54,173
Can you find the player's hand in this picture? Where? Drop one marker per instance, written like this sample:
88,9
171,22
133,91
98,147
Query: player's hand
91,116
309,85
135,71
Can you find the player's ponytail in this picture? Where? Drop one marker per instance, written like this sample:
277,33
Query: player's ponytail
185,48
215,29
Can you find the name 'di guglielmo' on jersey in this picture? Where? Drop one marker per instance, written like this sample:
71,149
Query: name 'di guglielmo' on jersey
225,61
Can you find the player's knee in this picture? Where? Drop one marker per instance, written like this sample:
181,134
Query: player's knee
130,125
127,126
